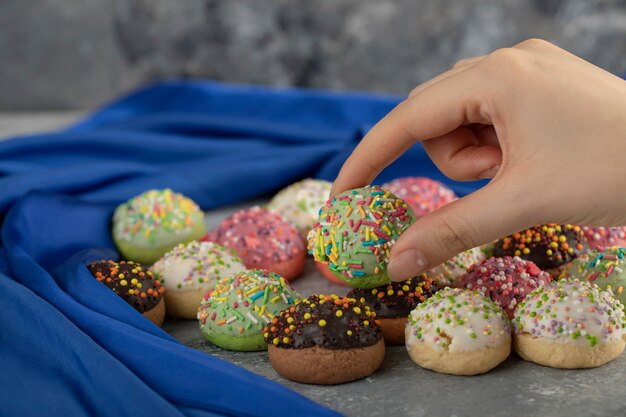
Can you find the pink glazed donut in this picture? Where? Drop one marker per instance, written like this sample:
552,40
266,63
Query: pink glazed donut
263,240
605,237
422,194
507,280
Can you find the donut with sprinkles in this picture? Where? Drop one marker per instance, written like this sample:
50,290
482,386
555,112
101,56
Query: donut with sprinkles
134,284
551,247
569,324
234,313
152,223
300,203
264,240
605,268
355,232
189,270
605,237
325,339
447,273
459,332
505,280
393,302
421,193
326,273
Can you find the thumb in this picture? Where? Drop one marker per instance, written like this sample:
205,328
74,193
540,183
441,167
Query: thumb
490,213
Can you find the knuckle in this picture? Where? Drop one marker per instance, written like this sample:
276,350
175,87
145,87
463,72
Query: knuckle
503,56
507,64
533,43
460,63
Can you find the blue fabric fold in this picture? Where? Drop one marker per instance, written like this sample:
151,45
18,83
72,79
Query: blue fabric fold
68,345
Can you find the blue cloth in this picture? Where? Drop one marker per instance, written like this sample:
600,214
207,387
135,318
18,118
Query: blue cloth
68,345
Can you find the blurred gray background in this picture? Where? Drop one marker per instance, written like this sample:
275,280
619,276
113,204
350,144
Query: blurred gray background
64,54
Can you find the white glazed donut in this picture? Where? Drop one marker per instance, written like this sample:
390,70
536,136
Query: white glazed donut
300,203
458,332
189,270
569,324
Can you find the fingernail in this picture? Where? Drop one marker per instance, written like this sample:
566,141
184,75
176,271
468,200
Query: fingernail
407,264
490,173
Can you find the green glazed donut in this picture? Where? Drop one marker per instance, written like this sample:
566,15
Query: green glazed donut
355,232
233,314
605,268
149,225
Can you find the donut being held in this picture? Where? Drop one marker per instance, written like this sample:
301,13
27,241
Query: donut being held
569,324
393,302
233,314
326,273
189,270
421,193
551,247
605,268
147,226
134,284
605,237
459,332
300,203
355,232
447,273
325,339
322,267
264,240
505,280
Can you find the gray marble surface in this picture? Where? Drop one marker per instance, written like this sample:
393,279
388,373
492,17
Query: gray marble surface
400,388
76,54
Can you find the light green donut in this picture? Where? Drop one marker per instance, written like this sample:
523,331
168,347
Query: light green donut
149,225
606,269
355,232
234,313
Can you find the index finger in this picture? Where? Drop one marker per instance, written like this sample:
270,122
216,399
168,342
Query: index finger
436,110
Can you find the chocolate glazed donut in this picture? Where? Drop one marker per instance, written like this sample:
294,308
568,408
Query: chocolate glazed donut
325,339
134,284
393,302
551,247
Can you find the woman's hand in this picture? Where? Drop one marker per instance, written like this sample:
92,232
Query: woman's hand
547,126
